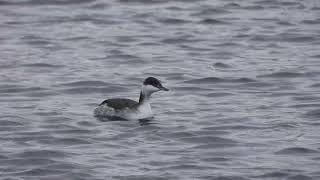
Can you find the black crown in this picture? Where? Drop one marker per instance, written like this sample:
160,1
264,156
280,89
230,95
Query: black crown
152,81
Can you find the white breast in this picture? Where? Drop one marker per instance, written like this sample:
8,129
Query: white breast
143,111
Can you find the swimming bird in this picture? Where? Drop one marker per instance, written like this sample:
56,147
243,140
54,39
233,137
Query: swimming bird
130,109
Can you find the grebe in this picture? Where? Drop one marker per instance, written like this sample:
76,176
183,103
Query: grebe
130,109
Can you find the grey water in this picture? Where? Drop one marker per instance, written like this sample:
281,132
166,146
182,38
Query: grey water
244,79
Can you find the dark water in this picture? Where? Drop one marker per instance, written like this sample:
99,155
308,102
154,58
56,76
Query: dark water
244,79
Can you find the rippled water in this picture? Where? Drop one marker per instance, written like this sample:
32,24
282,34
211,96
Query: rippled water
244,79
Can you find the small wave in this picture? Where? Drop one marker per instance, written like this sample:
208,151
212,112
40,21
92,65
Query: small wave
64,166
276,2
234,127
284,125
307,98
254,7
77,38
26,162
227,44
126,39
100,5
208,140
216,159
262,37
226,178
187,167
79,18
260,84
209,80
211,11
316,85
149,44
140,177
176,8
221,94
223,55
281,94
144,1
42,65
299,177
41,154
179,40
213,21
212,146
311,22
21,89
192,89
316,56
300,39
9,123
296,150
221,65
39,172
7,66
16,117
2,157
90,90
315,8
42,43
283,75
126,58
48,113
85,83
79,175
205,80
288,3
38,94
284,37
89,18
308,105
65,141
48,2
243,80
265,19
73,131
232,5
313,113
173,21
284,23
276,174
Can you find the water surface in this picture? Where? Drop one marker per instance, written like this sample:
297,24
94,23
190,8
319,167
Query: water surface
244,80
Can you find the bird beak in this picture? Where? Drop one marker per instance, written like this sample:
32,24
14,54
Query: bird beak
163,88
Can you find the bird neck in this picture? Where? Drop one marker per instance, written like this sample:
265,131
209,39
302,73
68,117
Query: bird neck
144,97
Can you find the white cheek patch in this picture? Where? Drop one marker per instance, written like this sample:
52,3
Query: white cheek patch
149,89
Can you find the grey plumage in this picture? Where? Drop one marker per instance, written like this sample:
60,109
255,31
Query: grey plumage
119,103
